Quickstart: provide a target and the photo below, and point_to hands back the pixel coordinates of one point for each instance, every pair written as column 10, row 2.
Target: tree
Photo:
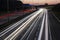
column 19, row 5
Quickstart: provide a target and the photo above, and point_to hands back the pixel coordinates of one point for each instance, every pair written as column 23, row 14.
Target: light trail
column 13, row 35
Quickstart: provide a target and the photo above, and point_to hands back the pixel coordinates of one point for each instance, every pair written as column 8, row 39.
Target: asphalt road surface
column 40, row 25
column 54, row 26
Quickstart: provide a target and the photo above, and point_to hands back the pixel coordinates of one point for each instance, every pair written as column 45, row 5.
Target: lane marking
column 46, row 25
column 41, row 30
column 56, row 17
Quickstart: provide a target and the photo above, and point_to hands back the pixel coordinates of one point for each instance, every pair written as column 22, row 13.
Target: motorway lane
column 44, row 30
column 22, row 28
column 41, row 29
column 31, row 35
column 14, row 26
column 24, row 25
column 54, row 26
column 43, row 35
column 9, row 30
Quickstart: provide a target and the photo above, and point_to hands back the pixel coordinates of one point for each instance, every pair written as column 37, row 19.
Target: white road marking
column 46, row 25
column 41, row 30
column 56, row 17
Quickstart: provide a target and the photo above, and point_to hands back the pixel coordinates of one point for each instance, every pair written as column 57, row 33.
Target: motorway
column 54, row 26
column 40, row 25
